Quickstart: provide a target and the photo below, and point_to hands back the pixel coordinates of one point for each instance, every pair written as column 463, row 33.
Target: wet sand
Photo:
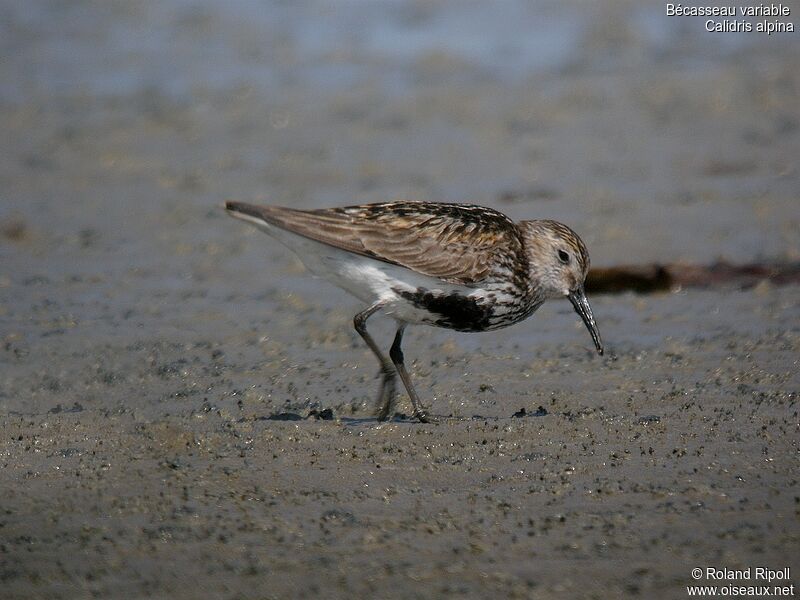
column 149, row 342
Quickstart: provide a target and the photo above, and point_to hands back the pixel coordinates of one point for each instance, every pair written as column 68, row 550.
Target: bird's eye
column 563, row 257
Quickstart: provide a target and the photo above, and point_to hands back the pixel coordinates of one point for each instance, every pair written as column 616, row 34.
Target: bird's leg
column 396, row 353
column 386, row 393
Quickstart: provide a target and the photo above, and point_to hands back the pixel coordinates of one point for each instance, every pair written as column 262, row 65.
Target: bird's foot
column 386, row 395
column 425, row 417
column 383, row 413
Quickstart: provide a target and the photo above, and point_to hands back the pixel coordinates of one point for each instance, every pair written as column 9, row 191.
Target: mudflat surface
column 147, row 339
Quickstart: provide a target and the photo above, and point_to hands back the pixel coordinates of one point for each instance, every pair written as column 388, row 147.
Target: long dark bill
column 581, row 304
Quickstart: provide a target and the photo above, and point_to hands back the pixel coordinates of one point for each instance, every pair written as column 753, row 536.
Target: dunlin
column 457, row 266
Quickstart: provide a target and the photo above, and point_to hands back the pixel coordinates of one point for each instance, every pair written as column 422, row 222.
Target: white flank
column 366, row 278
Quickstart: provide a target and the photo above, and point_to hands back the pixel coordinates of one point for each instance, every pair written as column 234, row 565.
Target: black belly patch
column 453, row 311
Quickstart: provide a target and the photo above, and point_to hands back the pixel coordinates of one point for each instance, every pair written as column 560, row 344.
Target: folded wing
column 457, row 243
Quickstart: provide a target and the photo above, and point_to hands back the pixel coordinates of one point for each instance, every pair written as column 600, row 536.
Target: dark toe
column 424, row 417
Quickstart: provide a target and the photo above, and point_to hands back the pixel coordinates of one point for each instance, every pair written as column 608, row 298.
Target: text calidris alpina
column 457, row 266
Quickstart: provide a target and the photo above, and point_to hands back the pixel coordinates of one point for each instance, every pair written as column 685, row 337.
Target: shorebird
column 457, row 266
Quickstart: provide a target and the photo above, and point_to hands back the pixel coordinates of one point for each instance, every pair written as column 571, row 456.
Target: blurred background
column 130, row 121
column 124, row 125
column 146, row 336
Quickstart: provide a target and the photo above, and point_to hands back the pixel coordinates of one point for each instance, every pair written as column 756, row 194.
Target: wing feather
column 454, row 242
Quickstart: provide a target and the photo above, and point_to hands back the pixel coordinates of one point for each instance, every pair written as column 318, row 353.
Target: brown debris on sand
column 651, row 278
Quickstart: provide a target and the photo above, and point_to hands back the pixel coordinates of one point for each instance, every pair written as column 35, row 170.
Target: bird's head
column 559, row 263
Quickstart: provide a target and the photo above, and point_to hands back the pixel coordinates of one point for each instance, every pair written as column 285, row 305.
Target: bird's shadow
column 402, row 419
column 397, row 419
